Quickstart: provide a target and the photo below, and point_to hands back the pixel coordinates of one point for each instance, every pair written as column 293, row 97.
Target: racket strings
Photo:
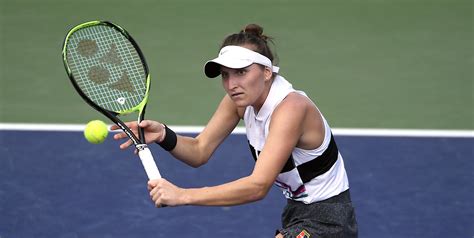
column 107, row 67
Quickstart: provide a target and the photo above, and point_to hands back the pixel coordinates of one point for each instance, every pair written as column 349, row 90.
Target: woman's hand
column 154, row 132
column 163, row 193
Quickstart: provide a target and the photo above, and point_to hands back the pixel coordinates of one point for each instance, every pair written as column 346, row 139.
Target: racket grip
column 148, row 163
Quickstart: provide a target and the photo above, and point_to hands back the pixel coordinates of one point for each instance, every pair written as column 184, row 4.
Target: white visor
column 236, row 57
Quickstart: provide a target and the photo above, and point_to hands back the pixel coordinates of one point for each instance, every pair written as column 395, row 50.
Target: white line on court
column 241, row 130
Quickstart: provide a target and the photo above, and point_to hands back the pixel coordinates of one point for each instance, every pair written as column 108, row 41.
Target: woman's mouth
column 236, row 94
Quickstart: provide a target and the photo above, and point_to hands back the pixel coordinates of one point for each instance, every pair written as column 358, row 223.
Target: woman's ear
column 267, row 73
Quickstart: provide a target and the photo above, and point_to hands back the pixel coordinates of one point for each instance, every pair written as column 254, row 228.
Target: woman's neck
column 261, row 100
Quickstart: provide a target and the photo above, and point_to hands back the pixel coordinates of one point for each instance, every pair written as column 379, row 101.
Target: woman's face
column 247, row 86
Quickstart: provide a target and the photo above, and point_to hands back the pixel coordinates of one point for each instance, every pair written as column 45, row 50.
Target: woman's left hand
column 164, row 193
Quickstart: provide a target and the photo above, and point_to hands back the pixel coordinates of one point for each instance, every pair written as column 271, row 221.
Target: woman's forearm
column 189, row 151
column 237, row 192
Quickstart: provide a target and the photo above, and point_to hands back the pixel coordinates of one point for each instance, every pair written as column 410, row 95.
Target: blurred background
column 372, row 63
column 404, row 64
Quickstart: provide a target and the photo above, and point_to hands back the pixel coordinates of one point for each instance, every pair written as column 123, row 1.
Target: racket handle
column 148, row 163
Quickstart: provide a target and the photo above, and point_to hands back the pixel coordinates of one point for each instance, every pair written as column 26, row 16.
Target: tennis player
column 288, row 136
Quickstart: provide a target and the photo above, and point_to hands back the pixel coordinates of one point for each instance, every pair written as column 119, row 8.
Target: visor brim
column 212, row 68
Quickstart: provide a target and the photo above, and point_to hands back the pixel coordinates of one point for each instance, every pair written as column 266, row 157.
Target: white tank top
column 309, row 175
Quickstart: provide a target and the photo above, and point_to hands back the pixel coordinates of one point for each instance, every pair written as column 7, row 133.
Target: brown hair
column 252, row 35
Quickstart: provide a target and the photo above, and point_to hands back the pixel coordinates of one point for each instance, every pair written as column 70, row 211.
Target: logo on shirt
column 300, row 192
column 303, row 234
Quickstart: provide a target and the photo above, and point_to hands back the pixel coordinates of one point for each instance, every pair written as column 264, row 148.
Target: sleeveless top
column 309, row 175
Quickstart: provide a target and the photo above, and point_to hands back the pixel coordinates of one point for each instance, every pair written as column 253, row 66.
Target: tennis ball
column 96, row 131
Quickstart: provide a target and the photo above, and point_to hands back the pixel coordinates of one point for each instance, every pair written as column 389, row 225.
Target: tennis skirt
column 333, row 217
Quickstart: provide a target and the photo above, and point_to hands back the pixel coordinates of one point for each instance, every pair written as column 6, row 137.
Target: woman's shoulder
column 292, row 105
column 296, row 104
column 295, row 101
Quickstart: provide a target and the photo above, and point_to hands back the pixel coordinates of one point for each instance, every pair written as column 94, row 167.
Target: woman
column 289, row 139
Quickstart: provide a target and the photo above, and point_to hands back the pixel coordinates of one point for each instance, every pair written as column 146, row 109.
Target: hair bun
column 256, row 30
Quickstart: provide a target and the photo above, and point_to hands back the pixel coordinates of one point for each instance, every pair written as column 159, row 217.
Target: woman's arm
column 285, row 131
column 197, row 151
column 192, row 151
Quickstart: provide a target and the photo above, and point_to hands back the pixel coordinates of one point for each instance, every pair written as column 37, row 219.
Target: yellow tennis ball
column 96, row 131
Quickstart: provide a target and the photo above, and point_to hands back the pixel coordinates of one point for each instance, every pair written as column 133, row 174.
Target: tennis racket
column 109, row 71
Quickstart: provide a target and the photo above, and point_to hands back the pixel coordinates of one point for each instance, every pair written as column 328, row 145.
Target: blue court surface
column 55, row 184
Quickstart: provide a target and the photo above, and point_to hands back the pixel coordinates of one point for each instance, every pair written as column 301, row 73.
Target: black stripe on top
column 290, row 164
column 321, row 164
column 312, row 168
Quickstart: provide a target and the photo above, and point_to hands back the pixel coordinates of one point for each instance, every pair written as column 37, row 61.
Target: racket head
column 108, row 70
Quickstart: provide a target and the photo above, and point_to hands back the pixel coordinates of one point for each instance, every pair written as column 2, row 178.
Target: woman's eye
column 241, row 72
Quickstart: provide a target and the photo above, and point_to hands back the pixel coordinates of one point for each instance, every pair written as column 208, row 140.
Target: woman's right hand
column 154, row 132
